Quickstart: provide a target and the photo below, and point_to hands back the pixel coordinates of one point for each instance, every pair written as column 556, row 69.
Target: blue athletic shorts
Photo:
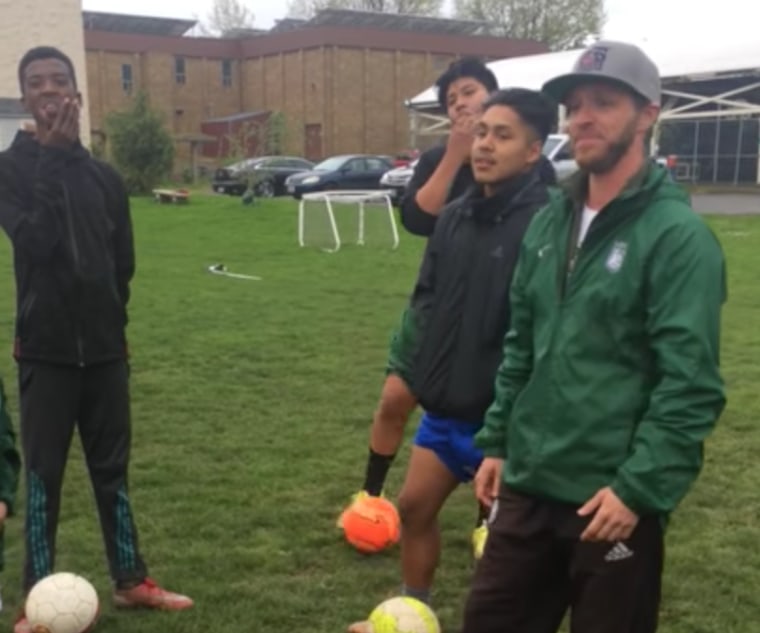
column 452, row 442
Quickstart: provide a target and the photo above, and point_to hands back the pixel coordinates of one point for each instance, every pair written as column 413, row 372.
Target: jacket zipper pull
column 573, row 259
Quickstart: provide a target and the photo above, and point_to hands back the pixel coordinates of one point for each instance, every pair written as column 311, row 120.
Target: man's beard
column 615, row 151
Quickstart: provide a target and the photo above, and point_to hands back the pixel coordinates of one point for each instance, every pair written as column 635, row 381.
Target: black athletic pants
column 535, row 568
column 54, row 400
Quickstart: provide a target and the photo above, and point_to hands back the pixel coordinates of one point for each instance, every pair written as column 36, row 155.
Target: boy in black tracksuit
column 67, row 216
column 459, row 313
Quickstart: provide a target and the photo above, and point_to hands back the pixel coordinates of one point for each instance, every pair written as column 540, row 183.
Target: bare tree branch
column 227, row 15
column 561, row 24
column 307, row 8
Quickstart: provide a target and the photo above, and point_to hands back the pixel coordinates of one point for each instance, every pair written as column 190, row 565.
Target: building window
column 227, row 73
column 126, row 78
column 179, row 70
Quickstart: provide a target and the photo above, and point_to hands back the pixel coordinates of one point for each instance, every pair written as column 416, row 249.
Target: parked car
column 267, row 175
column 351, row 171
column 558, row 150
column 397, row 179
column 405, row 157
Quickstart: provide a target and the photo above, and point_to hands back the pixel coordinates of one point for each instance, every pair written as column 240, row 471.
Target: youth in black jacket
column 67, row 216
column 442, row 174
column 460, row 304
column 414, row 218
column 458, row 317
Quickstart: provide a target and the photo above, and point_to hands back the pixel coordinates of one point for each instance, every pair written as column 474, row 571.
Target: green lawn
column 252, row 402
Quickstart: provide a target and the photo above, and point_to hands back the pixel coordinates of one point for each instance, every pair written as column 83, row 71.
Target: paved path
column 727, row 204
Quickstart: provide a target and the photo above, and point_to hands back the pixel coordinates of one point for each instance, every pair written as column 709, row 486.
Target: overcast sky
column 633, row 20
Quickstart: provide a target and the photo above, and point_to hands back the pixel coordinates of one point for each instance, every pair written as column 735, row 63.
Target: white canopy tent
column 677, row 67
column 701, row 81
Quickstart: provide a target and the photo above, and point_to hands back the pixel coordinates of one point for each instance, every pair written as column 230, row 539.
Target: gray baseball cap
column 617, row 62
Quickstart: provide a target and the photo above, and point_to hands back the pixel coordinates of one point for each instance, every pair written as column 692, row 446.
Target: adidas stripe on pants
column 54, row 401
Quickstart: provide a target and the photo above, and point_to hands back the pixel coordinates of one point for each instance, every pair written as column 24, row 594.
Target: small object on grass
column 221, row 269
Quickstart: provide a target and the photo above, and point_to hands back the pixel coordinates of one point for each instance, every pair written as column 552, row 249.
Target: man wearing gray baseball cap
column 610, row 381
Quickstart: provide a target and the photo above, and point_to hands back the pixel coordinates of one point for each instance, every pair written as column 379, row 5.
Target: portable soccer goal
column 327, row 218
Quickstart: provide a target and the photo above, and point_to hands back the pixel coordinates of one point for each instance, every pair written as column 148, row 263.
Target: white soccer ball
column 62, row 603
column 403, row 615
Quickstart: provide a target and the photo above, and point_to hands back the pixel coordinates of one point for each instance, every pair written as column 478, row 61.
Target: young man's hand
column 461, row 136
column 488, row 480
column 3, row 512
column 612, row 521
column 64, row 131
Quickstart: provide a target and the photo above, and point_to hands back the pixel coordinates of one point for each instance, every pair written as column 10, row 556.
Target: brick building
column 338, row 81
column 29, row 23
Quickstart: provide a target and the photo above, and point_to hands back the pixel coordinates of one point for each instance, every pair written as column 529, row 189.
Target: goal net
column 332, row 219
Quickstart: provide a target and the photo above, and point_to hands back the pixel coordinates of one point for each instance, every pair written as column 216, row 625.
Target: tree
column 141, row 147
column 226, row 16
column 257, row 138
column 561, row 24
column 307, row 8
column 275, row 134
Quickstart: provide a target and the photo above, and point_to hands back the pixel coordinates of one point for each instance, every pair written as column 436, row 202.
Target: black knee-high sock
column 377, row 470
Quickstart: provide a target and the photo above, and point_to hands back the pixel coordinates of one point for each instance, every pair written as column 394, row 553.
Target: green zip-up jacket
column 611, row 371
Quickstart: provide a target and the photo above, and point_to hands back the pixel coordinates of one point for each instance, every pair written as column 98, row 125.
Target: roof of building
column 330, row 27
column 709, row 61
column 145, row 25
column 398, row 22
column 241, row 33
column 240, row 116
column 195, row 137
column 287, row 24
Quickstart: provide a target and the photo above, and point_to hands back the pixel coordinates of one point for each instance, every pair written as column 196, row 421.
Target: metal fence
column 713, row 150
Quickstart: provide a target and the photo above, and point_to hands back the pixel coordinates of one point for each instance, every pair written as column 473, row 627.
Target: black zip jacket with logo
column 459, row 310
column 67, row 216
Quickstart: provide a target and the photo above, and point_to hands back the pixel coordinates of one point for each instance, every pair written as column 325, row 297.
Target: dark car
column 351, row 171
column 266, row 175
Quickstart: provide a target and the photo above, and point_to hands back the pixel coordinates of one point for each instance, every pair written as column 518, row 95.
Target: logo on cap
column 593, row 59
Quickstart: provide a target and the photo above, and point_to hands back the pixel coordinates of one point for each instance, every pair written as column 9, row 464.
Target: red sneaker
column 148, row 594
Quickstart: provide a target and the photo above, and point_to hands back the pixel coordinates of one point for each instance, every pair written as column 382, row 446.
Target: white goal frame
column 358, row 197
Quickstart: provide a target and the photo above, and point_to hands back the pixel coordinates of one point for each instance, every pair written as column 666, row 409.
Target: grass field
column 251, row 407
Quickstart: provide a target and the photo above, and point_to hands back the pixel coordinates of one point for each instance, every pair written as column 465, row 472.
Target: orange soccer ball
column 372, row 524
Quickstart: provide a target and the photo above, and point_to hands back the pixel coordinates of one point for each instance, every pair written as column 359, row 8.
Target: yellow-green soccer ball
column 403, row 615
